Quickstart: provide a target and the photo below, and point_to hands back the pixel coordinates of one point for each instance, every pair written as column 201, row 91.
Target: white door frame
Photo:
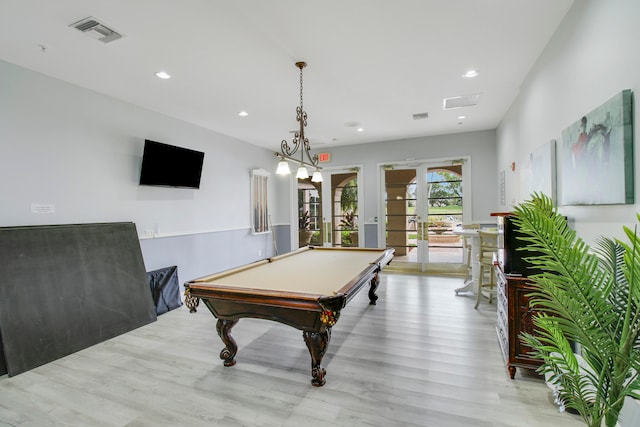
column 422, row 165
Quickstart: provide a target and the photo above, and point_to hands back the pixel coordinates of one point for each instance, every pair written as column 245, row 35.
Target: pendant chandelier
column 300, row 143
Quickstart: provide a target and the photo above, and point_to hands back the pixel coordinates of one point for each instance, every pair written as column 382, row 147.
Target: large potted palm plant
column 586, row 296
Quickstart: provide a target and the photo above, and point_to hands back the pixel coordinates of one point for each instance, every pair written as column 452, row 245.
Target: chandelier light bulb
column 283, row 168
column 302, row 173
column 317, row 177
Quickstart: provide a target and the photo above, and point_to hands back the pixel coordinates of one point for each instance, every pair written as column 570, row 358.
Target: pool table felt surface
column 316, row 271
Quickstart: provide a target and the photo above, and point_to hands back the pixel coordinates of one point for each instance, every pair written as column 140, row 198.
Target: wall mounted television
column 170, row 166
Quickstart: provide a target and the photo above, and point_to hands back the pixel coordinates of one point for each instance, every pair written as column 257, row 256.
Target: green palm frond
column 587, row 296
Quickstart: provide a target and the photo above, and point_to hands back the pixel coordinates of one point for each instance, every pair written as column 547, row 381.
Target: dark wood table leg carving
column 317, row 343
column 512, row 371
column 231, row 348
column 372, row 290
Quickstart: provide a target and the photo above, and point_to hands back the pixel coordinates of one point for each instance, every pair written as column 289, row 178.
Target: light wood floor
column 421, row 357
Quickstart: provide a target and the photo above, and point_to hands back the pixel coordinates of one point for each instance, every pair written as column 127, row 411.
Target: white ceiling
column 372, row 62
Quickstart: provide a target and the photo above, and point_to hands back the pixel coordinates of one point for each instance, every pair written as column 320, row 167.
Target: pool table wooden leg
column 373, row 286
column 317, row 343
column 231, row 348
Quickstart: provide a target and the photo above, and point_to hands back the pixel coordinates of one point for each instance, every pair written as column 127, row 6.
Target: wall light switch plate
column 43, row 208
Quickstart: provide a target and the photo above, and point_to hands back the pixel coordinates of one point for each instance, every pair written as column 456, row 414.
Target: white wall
column 592, row 57
column 81, row 152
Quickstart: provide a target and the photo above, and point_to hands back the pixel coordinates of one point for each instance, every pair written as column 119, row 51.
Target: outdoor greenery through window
column 444, row 198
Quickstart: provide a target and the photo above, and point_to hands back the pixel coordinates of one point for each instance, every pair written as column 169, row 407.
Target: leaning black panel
column 66, row 287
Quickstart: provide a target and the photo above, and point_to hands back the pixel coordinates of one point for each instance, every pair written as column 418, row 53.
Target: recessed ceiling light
column 243, row 113
column 462, row 117
column 470, row 74
column 163, row 75
column 360, row 129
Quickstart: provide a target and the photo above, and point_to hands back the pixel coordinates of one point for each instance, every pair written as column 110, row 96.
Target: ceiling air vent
column 96, row 29
column 420, row 116
column 460, row 101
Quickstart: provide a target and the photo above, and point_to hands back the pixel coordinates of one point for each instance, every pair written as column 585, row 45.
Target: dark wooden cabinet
column 514, row 316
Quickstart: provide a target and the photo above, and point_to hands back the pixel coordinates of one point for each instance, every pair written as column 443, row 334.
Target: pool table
column 306, row 289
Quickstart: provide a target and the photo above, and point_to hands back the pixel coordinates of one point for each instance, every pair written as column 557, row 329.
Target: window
column 259, row 201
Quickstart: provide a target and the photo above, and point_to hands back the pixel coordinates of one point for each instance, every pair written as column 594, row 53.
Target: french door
column 423, row 203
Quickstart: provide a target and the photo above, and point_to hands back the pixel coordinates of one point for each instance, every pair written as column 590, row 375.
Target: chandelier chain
column 301, row 108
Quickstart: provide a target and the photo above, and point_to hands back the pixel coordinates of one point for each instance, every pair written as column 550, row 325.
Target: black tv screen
column 170, row 166
column 514, row 254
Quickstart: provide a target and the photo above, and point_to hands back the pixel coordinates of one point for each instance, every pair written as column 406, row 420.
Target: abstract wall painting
column 597, row 156
column 540, row 170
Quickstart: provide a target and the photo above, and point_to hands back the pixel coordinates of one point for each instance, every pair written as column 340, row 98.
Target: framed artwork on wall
column 540, row 170
column 597, row 156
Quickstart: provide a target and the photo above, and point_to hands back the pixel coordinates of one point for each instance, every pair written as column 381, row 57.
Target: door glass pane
column 444, row 202
column 400, row 213
column 309, row 213
column 344, row 212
